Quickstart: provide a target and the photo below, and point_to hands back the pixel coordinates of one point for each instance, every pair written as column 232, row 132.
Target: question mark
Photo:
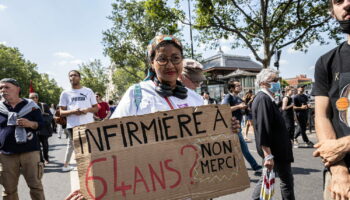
column 195, row 161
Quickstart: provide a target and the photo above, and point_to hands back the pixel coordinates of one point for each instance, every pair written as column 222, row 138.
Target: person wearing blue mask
column 271, row 135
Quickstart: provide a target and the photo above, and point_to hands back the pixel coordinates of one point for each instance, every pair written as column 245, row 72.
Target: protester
column 161, row 90
column 19, row 146
column 77, row 104
column 61, row 123
column 53, row 109
column 271, row 135
column 237, row 107
column 207, row 99
column 248, row 100
column 331, row 91
column 103, row 108
column 112, row 107
column 301, row 106
column 46, row 130
column 288, row 112
column 192, row 74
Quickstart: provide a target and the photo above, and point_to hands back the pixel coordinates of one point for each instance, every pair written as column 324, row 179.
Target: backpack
column 137, row 95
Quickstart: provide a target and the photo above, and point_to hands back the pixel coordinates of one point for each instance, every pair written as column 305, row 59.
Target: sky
column 58, row 35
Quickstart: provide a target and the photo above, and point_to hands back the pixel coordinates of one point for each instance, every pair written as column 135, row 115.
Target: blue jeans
column 244, row 147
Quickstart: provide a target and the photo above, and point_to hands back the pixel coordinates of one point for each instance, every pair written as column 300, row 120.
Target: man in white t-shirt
column 77, row 104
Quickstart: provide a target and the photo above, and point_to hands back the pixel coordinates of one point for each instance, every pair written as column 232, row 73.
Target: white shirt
column 152, row 102
column 78, row 98
column 206, row 101
column 53, row 111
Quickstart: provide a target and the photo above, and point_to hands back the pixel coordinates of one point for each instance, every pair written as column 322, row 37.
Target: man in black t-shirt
column 301, row 110
column 332, row 111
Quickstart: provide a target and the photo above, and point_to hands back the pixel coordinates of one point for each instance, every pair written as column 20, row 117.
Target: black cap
column 10, row 80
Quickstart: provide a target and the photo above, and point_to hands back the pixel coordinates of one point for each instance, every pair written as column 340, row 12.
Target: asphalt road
column 307, row 172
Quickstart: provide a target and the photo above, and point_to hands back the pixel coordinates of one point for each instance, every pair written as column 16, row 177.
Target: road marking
column 74, row 177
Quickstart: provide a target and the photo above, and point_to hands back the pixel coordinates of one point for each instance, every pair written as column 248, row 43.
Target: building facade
column 299, row 80
column 221, row 68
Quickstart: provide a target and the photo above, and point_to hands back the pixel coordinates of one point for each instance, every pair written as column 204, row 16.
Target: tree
column 284, row 83
column 94, row 76
column 13, row 65
column 134, row 25
column 266, row 24
column 122, row 79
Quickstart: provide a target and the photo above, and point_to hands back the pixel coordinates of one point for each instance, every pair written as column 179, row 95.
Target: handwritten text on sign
column 177, row 154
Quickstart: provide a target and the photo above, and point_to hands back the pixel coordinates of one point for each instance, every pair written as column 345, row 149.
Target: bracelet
column 268, row 157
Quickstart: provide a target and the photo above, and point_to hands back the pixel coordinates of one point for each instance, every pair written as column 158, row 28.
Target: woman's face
column 167, row 64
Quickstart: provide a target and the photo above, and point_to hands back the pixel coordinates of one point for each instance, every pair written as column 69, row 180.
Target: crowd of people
column 277, row 116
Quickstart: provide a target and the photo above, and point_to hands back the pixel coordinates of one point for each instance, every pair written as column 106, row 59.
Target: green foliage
column 13, row 65
column 123, row 79
column 135, row 24
column 284, row 83
column 94, row 76
column 268, row 25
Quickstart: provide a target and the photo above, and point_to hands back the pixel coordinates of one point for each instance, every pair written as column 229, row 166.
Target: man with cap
column 301, row 110
column 19, row 147
column 192, row 74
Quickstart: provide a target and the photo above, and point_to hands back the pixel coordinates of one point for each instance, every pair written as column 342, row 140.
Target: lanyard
column 169, row 103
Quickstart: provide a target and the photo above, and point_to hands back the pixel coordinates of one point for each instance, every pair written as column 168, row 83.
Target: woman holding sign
column 161, row 90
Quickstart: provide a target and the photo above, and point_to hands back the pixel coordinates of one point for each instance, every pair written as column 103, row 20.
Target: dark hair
column 248, row 95
column 163, row 44
column 76, row 71
column 231, row 84
column 110, row 102
column 205, row 92
column 98, row 94
column 330, row 5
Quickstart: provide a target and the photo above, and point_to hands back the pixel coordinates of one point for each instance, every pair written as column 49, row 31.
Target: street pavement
column 307, row 172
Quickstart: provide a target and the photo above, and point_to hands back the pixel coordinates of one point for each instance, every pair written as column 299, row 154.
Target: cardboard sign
column 177, row 154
